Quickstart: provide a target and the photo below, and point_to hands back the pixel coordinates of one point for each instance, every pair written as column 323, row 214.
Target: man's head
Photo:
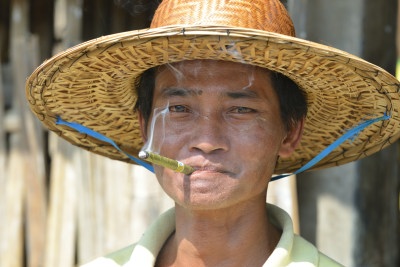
column 223, row 119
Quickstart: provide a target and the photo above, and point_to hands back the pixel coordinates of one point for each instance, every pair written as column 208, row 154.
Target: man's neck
column 237, row 236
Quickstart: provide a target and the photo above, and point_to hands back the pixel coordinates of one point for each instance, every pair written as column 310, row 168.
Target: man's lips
column 201, row 164
column 207, row 167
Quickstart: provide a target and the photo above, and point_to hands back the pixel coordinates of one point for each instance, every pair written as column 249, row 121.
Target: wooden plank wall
column 58, row 205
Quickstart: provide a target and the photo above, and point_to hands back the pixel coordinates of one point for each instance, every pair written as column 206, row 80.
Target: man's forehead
column 223, row 78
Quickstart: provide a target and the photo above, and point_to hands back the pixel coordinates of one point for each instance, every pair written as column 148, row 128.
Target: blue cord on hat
column 85, row 130
column 348, row 135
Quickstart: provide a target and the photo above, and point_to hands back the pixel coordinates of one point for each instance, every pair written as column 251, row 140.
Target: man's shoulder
column 114, row 259
column 304, row 250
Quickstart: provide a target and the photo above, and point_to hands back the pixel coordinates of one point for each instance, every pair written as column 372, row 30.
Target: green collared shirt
column 292, row 250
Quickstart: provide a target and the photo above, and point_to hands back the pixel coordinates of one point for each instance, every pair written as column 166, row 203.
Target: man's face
column 223, row 119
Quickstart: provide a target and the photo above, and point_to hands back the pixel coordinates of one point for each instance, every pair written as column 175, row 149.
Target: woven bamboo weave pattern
column 263, row 15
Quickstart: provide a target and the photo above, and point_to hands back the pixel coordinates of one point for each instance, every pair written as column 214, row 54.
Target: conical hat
column 94, row 83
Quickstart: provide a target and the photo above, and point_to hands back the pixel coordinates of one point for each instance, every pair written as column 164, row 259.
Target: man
column 230, row 131
column 223, row 87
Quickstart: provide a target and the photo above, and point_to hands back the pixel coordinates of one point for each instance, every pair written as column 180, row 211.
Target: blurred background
column 62, row 206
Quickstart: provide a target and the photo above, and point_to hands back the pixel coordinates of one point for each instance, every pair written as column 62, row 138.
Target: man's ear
column 143, row 126
column 292, row 139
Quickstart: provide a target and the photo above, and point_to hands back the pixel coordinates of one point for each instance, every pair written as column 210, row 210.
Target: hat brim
column 94, row 84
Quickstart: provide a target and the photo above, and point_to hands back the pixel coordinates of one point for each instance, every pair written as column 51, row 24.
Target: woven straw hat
column 94, row 83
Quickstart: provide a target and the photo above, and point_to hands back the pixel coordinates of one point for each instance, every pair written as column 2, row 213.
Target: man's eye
column 178, row 108
column 242, row 110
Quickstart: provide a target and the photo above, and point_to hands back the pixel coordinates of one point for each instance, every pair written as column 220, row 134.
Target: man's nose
column 209, row 134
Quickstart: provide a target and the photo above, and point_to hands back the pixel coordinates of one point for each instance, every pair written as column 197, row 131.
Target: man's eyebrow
column 182, row 92
column 243, row 94
column 179, row 91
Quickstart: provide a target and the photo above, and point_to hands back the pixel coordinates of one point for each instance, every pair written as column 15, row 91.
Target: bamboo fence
column 59, row 205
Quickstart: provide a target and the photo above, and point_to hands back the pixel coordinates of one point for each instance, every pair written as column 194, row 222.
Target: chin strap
column 347, row 136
